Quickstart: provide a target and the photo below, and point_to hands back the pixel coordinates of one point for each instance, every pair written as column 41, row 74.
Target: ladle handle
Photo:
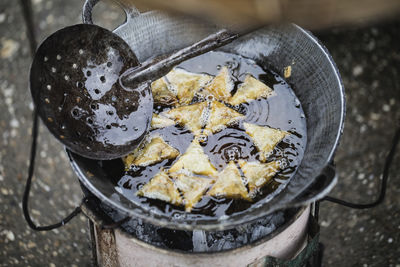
column 87, row 10
column 155, row 68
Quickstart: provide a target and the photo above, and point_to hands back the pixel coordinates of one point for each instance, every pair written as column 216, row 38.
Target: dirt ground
column 368, row 58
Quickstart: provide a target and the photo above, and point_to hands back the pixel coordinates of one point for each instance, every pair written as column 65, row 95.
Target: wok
column 314, row 78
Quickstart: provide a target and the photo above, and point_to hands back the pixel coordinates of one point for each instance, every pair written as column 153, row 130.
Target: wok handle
column 321, row 186
column 328, row 179
column 93, row 217
column 90, row 208
column 385, row 176
column 25, row 199
column 28, row 16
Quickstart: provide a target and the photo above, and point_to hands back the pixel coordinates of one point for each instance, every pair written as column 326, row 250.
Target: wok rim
column 341, row 87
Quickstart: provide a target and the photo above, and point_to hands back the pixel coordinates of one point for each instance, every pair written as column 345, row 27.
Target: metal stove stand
column 103, row 236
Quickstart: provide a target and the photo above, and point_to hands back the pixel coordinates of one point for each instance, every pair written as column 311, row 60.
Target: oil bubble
column 139, row 186
column 135, row 168
column 202, row 138
column 232, row 153
column 75, row 112
column 297, row 103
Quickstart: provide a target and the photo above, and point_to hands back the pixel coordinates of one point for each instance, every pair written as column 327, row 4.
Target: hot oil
column 282, row 111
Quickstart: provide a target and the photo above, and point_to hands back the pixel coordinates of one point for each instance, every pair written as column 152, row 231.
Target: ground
column 368, row 58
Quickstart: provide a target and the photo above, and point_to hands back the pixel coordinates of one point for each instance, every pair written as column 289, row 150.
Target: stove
column 284, row 237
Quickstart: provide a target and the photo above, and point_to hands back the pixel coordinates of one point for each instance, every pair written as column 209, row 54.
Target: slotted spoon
column 93, row 94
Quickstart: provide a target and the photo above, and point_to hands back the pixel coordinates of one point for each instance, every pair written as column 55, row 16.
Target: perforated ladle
column 93, row 94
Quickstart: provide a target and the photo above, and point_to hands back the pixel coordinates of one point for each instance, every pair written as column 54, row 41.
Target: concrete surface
column 369, row 61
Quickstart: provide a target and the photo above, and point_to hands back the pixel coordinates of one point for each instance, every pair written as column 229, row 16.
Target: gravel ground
column 368, row 59
column 369, row 62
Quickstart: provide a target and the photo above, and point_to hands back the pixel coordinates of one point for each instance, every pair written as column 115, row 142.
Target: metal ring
column 87, row 10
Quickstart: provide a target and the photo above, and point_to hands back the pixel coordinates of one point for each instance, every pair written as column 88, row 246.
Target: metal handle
column 90, row 208
column 87, row 11
column 385, row 177
column 28, row 16
column 321, row 186
column 153, row 69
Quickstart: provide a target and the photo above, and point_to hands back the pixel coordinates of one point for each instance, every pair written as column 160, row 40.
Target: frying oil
column 282, row 111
